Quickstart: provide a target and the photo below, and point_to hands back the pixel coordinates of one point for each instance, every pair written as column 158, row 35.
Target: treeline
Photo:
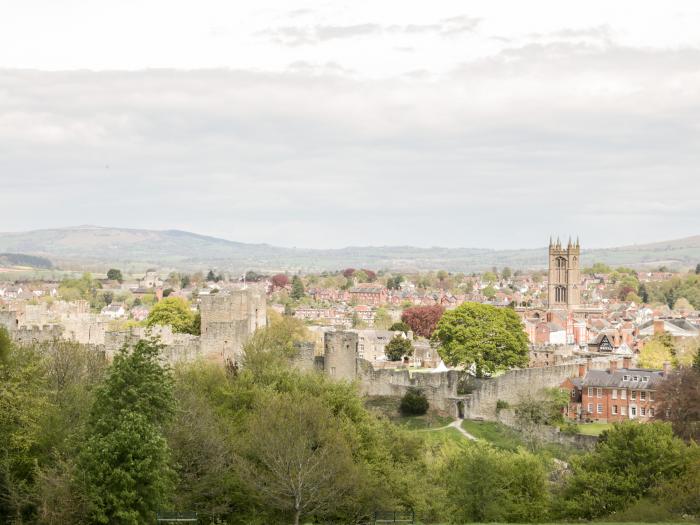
column 22, row 259
column 86, row 442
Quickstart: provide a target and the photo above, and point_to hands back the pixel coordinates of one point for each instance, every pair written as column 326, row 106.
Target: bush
column 501, row 404
column 414, row 403
column 397, row 348
column 400, row 327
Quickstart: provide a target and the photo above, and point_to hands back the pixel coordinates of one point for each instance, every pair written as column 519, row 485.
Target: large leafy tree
column 297, row 288
column 397, row 348
column 125, row 460
column 679, row 401
column 628, row 462
column 115, row 274
column 483, row 337
column 174, row 311
column 422, row 319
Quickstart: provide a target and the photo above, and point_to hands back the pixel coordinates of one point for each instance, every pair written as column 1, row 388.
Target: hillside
column 24, row 260
column 97, row 247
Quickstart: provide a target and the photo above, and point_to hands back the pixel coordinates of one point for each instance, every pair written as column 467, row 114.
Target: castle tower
column 564, row 275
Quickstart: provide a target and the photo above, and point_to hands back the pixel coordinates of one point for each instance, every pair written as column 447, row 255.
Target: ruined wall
column 26, row 335
column 228, row 320
column 84, row 328
column 306, row 359
column 177, row 347
column 8, row 320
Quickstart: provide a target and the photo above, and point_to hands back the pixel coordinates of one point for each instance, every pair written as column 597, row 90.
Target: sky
column 324, row 124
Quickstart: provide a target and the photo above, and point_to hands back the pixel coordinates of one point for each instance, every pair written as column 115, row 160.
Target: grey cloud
column 488, row 156
column 308, row 35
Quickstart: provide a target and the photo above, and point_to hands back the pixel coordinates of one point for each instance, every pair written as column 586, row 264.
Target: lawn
column 593, row 429
column 389, row 407
column 495, row 433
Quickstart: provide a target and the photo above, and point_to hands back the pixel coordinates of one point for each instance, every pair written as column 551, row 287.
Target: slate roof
column 616, row 379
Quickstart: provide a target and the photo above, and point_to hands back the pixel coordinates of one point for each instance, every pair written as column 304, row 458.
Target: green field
column 593, row 429
column 389, row 407
column 495, row 433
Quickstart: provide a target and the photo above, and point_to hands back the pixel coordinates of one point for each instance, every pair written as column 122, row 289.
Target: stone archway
column 460, row 409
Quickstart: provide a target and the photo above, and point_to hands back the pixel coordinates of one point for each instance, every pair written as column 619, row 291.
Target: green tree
column 481, row 336
column 414, row 403
column 382, row 319
column 125, row 459
column 297, row 288
column 211, row 276
column 400, row 327
column 173, row 311
column 397, row 348
column 115, row 275
column 697, row 269
column 629, row 460
column 489, row 292
column 506, row 273
column 489, row 277
column 5, row 344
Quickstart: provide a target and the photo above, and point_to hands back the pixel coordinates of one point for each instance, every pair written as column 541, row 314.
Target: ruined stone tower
column 564, row 289
column 228, row 320
column 340, row 355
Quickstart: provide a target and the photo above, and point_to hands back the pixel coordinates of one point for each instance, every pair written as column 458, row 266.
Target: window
column 614, row 393
column 651, row 412
column 644, row 411
column 600, row 408
column 623, row 410
column 626, row 378
column 614, row 409
column 332, row 370
column 635, row 378
column 645, row 378
column 643, row 396
column 590, row 408
column 599, row 392
column 634, row 395
column 623, row 393
column 590, row 392
column 633, row 411
column 651, row 396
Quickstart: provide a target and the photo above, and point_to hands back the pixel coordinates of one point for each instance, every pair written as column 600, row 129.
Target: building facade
column 564, row 288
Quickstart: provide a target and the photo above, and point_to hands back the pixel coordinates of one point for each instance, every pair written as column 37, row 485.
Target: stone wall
column 26, row 335
column 176, row 347
column 228, row 320
column 8, row 320
column 340, row 355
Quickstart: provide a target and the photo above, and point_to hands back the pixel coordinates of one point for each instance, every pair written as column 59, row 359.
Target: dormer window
column 626, row 378
column 645, row 378
column 635, row 378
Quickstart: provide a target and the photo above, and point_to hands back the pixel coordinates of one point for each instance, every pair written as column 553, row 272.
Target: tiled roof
column 616, row 379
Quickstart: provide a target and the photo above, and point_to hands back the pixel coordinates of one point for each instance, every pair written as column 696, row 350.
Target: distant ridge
column 96, row 246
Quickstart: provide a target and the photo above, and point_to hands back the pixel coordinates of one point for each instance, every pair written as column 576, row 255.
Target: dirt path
column 457, row 423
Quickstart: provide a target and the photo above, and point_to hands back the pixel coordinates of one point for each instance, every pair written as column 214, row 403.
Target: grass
column 593, row 429
column 443, row 437
column 389, row 407
column 497, row 434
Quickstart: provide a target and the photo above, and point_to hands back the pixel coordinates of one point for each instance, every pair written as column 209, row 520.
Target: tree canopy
column 176, row 312
column 422, row 319
column 481, row 337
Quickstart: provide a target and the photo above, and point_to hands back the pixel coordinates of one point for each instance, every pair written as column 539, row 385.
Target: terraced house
column 616, row 394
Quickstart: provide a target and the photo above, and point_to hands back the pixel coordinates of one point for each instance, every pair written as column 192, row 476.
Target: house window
column 643, row 396
column 635, row 378
column 644, row 411
column 332, row 370
column 590, row 392
column 600, row 408
column 651, row 396
column 634, row 395
column 626, row 378
column 645, row 378
column 590, row 408
column 651, row 412
column 633, row 411
column 599, row 392
column 614, row 393
column 623, row 394
column 614, row 409
column 623, row 410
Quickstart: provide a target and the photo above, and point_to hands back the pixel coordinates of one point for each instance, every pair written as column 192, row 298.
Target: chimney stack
column 667, row 368
column 626, row 362
column 582, row 369
column 613, row 365
column 658, row 326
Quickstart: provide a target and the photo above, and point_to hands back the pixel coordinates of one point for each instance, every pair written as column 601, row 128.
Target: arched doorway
column 460, row 409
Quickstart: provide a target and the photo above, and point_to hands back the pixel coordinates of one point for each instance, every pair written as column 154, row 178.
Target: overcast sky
column 327, row 124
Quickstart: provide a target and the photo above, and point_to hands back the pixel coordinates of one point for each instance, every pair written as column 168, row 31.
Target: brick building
column 616, row 394
column 369, row 294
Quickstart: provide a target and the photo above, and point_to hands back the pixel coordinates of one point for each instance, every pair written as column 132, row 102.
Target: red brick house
column 369, row 294
column 616, row 394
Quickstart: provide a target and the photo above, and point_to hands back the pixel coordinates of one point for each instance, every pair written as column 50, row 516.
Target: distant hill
column 100, row 247
column 22, row 259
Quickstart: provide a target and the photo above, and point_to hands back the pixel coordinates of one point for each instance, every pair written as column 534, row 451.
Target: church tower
column 564, row 277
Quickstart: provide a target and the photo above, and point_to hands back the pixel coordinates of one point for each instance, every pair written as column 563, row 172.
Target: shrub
column 501, row 404
column 414, row 403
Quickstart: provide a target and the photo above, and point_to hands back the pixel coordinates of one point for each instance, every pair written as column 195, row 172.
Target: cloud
column 599, row 139
column 310, row 35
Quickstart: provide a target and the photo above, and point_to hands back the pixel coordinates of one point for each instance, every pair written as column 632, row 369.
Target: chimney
column 658, row 326
column 626, row 362
column 667, row 368
column 582, row 369
column 613, row 365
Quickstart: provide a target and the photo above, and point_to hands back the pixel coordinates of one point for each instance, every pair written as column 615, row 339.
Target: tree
column 173, row 311
column 295, row 457
column 482, row 337
column 506, row 273
column 489, row 292
column 682, row 304
column 655, row 353
column 414, row 403
column 697, row 269
column 211, row 277
column 115, row 275
column 382, row 319
column 400, row 327
column 397, row 348
column 297, row 288
column 490, row 277
column 678, row 399
column 348, row 272
column 394, row 283
column 125, row 460
column 279, row 281
column 629, row 460
column 422, row 319
column 5, row 344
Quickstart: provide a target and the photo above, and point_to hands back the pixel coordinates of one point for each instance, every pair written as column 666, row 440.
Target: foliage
column 670, row 291
column 400, row 327
column 125, row 459
column 678, row 400
column 656, row 351
column 483, row 337
column 536, row 411
column 176, row 312
column 489, row 292
column 398, row 347
column 628, row 462
column 5, row 344
column 414, row 403
column 279, row 280
column 115, row 275
column 382, row 319
column 485, row 484
column 422, row 319
column 297, row 288
column 394, row 283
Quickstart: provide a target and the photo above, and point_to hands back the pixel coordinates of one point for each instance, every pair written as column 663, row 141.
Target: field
column 593, row 429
